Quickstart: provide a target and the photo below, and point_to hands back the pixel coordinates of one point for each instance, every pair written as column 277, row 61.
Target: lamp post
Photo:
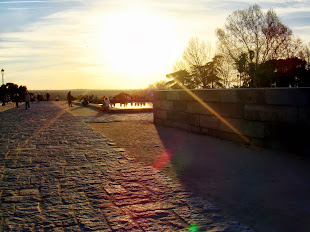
column 2, row 72
column 3, row 87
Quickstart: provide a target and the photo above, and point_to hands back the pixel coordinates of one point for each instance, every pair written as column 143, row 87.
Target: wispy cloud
column 47, row 42
column 26, row 8
column 18, row 2
column 38, row 1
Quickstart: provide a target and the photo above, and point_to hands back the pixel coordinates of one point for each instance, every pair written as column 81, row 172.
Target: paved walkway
column 57, row 174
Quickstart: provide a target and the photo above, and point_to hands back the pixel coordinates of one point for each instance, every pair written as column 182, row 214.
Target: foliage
column 181, row 76
column 196, row 70
column 12, row 89
column 284, row 73
column 159, row 85
column 122, row 96
column 8, row 91
column 22, row 91
column 207, row 76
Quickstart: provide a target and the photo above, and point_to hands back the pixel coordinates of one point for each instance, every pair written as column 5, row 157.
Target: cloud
column 37, row 1
column 26, row 8
column 19, row 2
column 59, row 38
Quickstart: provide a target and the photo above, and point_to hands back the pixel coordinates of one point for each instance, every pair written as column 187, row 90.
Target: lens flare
column 205, row 105
column 162, row 160
column 193, row 228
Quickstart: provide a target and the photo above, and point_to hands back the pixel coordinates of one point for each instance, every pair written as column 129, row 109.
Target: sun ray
column 206, row 106
column 41, row 129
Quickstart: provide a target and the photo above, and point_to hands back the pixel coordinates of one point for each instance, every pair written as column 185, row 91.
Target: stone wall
column 275, row 117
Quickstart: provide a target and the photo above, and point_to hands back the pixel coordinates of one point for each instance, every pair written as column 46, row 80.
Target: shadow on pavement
column 267, row 190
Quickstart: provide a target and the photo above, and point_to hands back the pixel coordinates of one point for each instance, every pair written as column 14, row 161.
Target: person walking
column 27, row 100
column 69, row 98
column 17, row 100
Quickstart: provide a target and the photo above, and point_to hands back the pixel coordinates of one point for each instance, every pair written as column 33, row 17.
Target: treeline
column 133, row 95
column 254, row 49
column 9, row 90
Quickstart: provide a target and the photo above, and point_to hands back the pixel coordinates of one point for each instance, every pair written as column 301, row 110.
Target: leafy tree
column 3, row 94
column 13, row 89
column 22, row 91
column 196, row 69
column 242, row 67
column 208, row 74
column 181, row 76
column 9, row 90
column 122, row 96
column 284, row 73
column 213, row 68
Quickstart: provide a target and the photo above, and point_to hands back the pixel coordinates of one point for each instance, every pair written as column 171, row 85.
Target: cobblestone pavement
column 121, row 117
column 57, row 174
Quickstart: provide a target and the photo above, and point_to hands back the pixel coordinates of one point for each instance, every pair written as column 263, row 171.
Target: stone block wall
column 269, row 117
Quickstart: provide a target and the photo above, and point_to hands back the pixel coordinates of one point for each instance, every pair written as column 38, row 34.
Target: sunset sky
column 114, row 44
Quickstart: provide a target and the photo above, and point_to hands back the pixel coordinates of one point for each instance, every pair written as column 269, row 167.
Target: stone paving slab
column 57, row 174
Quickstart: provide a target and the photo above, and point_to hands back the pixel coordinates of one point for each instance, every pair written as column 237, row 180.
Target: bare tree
column 276, row 38
column 191, row 69
column 197, row 52
column 227, row 72
column 307, row 53
column 296, row 48
column 260, row 36
column 180, row 65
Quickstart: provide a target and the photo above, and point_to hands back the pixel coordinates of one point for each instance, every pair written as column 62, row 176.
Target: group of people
column 29, row 97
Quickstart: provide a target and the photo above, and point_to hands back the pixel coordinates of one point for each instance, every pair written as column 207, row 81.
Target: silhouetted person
column 85, row 101
column 27, row 100
column 106, row 104
column 17, row 100
column 31, row 97
column 47, row 96
column 38, row 97
column 69, row 98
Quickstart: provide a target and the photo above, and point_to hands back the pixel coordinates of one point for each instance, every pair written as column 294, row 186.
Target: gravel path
column 58, row 174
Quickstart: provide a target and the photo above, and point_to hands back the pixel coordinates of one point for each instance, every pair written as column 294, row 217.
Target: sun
column 137, row 44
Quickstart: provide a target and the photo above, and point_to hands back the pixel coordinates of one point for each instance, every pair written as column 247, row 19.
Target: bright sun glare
column 135, row 44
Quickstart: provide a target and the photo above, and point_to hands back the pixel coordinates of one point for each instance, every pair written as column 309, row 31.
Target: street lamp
column 3, row 87
column 2, row 72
